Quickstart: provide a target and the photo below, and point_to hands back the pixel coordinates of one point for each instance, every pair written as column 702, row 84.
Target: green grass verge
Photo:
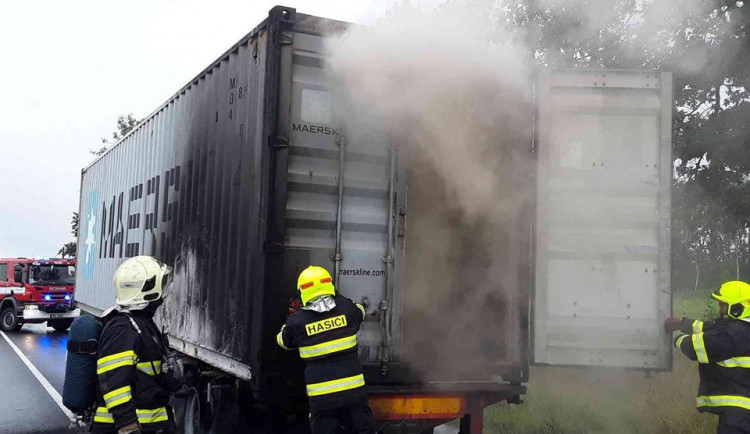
column 584, row 400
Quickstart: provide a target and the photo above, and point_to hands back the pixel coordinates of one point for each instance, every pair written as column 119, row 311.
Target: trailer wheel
column 192, row 413
column 60, row 325
column 9, row 321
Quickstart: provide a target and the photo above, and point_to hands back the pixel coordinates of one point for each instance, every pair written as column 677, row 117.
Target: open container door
column 604, row 177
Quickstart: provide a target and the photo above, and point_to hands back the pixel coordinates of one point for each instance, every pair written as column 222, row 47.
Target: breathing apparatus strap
column 145, row 348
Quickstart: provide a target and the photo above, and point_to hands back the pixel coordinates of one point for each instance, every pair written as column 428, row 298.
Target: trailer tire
column 9, row 321
column 191, row 418
column 60, row 325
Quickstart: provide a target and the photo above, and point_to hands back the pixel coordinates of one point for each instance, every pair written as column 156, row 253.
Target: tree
column 74, row 224
column 69, row 249
column 125, row 124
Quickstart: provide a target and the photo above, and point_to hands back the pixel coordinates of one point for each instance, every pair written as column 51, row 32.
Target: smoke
column 458, row 107
column 454, row 88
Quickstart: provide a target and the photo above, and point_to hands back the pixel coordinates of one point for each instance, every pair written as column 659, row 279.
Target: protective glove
column 672, row 324
column 295, row 304
column 131, row 428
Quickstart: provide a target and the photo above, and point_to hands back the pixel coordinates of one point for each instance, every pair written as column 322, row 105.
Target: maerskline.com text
column 362, row 272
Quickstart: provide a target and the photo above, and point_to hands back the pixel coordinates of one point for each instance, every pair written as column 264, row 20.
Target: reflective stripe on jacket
column 145, row 417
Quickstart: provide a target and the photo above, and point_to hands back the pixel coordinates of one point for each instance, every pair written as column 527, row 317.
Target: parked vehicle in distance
column 35, row 291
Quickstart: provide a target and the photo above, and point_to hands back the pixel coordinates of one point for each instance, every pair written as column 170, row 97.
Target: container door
column 604, row 177
column 346, row 227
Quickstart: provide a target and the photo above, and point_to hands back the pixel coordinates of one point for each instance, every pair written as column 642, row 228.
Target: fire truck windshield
column 52, row 275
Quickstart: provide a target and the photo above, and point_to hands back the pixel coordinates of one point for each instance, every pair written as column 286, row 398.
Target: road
column 26, row 406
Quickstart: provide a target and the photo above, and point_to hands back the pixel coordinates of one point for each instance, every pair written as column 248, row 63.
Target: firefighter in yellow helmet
column 133, row 391
column 722, row 349
column 324, row 332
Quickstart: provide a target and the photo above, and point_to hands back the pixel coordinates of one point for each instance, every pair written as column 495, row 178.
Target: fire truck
column 36, row 291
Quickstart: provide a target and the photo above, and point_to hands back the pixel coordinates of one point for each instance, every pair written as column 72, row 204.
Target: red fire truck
column 37, row 291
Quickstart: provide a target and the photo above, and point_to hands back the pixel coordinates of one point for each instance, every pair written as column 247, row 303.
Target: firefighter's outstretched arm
column 284, row 339
column 687, row 325
column 692, row 326
column 115, row 368
column 714, row 345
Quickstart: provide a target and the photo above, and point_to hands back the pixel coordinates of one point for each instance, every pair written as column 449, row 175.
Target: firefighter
column 133, row 398
column 324, row 331
column 722, row 349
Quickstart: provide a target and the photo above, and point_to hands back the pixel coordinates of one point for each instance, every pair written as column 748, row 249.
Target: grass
column 577, row 400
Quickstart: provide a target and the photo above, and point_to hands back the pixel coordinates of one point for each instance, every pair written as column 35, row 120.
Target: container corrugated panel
column 185, row 186
column 603, row 226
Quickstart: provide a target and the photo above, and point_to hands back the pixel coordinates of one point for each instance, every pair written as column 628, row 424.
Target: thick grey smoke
column 459, row 109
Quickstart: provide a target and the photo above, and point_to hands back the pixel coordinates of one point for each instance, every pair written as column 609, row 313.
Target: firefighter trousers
column 734, row 421
column 355, row 419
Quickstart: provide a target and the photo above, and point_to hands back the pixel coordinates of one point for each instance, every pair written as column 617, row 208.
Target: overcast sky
column 68, row 69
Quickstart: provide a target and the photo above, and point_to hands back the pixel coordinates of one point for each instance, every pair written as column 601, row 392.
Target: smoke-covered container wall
column 468, row 273
column 184, row 186
column 459, row 110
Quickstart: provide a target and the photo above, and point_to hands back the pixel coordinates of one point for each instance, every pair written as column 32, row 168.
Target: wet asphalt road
column 25, row 406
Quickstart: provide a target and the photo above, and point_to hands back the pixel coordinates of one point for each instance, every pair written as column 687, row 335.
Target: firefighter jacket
column 722, row 349
column 129, row 370
column 327, row 342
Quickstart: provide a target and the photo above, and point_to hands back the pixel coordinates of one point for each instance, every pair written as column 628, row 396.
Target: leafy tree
column 69, row 249
column 74, row 224
column 125, row 124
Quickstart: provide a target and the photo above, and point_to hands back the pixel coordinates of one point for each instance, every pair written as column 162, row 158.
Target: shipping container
column 260, row 166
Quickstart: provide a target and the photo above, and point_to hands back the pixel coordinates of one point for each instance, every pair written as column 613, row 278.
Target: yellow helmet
column 314, row 282
column 737, row 295
column 140, row 280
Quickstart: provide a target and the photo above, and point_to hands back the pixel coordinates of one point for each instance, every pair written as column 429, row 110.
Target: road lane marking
column 47, row 386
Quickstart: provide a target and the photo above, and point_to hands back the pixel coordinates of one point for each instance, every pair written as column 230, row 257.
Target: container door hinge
column 278, row 142
column 401, row 227
column 273, row 247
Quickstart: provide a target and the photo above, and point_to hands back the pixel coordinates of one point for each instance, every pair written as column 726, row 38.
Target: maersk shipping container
column 257, row 168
